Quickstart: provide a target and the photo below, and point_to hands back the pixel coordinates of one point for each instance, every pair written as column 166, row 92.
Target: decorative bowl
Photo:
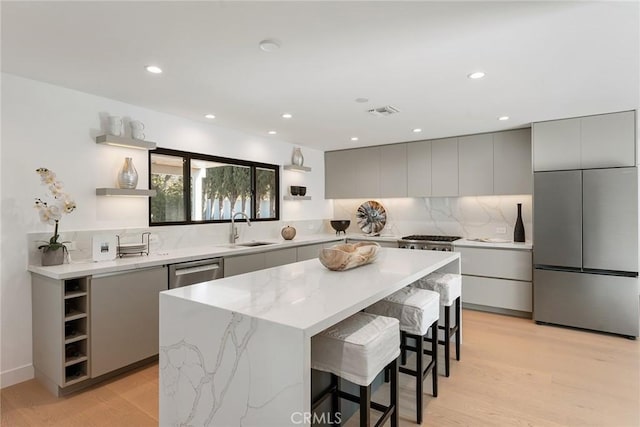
column 340, row 225
column 347, row 256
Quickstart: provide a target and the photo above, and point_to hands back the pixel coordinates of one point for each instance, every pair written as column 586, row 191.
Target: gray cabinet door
column 352, row 173
column 336, row 173
column 124, row 317
column 243, row 264
column 309, row 252
column 512, row 172
column 557, row 216
column 419, row 169
column 556, row 145
column 280, row 257
column 610, row 219
column 393, row 170
column 608, row 140
column 475, row 165
column 444, row 167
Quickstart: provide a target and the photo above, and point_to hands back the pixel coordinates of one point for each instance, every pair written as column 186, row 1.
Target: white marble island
column 236, row 351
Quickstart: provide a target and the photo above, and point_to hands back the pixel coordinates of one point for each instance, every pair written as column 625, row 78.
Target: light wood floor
column 512, row 372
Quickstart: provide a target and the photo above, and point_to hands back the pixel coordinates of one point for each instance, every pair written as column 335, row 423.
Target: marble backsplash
column 164, row 239
column 471, row 217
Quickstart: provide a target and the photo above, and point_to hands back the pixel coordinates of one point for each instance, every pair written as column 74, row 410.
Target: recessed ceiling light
column 154, row 69
column 272, row 132
column 354, row 138
column 362, row 100
column 286, row 116
column 210, row 116
column 503, row 118
column 417, row 130
column 476, row 75
column 269, row 45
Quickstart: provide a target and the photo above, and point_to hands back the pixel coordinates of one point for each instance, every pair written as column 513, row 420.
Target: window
column 217, row 187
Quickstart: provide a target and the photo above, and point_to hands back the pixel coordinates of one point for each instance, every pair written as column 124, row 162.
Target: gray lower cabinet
column 497, row 280
column 241, row 264
column 313, row 251
column 124, row 317
column 61, row 336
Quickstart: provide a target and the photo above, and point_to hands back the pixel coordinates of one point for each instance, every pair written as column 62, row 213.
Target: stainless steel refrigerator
column 585, row 226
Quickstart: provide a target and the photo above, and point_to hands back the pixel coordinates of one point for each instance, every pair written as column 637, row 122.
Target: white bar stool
column 358, row 349
column 417, row 310
column 449, row 286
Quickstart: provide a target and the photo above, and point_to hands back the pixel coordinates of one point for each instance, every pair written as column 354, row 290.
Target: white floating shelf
column 125, row 192
column 120, row 141
column 296, row 168
column 297, row 197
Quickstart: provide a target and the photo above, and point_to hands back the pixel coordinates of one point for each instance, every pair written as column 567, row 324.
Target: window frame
column 187, row 156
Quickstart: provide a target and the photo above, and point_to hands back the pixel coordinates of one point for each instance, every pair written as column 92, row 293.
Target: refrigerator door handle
column 611, row 272
column 556, row 268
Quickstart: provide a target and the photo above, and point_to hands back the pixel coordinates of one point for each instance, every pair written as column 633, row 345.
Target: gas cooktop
column 431, row 238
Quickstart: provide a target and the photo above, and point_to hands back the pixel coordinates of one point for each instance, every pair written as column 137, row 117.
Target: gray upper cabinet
column 605, row 140
column 608, row 140
column 419, row 169
column 393, row 170
column 352, row 173
column 512, row 162
column 556, row 145
column 444, row 167
column 475, row 164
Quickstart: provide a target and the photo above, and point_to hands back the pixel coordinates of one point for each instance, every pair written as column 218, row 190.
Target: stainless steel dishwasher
column 188, row 273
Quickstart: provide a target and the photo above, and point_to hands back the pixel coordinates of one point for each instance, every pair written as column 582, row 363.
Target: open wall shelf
column 120, row 141
column 125, row 192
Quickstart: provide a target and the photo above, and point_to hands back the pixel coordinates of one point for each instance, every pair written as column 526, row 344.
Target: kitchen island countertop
column 237, row 351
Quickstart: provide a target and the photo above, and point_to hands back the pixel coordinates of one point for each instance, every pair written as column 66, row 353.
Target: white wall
column 53, row 127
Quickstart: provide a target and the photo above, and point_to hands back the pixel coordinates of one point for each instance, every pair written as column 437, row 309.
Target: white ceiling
column 542, row 60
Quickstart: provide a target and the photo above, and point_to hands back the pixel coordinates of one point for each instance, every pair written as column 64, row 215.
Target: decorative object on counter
column 53, row 251
column 518, row 231
column 297, row 158
column 134, row 248
column 115, row 125
column 288, row 233
column 128, row 176
column 347, row 256
column 371, row 217
column 104, row 247
column 137, row 129
column 340, row 225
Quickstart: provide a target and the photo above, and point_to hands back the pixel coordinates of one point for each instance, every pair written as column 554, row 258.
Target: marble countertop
column 492, row 244
column 88, row 267
column 309, row 297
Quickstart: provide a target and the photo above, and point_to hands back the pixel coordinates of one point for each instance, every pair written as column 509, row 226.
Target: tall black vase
column 518, row 231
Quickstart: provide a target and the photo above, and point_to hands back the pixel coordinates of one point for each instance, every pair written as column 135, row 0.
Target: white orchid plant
column 50, row 213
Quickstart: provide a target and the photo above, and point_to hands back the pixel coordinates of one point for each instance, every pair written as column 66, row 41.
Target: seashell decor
column 346, row 256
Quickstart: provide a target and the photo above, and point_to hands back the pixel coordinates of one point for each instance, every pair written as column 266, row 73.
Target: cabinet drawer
column 500, row 293
column 500, row 263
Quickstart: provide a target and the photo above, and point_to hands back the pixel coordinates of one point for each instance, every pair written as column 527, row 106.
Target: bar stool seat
column 417, row 310
column 358, row 349
column 449, row 286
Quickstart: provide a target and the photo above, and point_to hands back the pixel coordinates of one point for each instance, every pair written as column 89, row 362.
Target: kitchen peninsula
column 237, row 351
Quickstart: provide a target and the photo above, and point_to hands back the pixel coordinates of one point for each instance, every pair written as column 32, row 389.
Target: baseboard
column 16, row 375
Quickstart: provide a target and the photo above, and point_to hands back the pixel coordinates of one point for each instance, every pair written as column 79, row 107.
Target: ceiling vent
column 387, row 110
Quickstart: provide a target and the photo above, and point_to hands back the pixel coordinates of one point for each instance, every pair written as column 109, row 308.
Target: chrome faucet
column 234, row 230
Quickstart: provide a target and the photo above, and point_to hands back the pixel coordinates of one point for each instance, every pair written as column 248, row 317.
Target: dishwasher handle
column 191, row 270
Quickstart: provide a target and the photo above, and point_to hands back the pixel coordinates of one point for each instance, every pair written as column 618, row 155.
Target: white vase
column 128, row 176
column 297, row 158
